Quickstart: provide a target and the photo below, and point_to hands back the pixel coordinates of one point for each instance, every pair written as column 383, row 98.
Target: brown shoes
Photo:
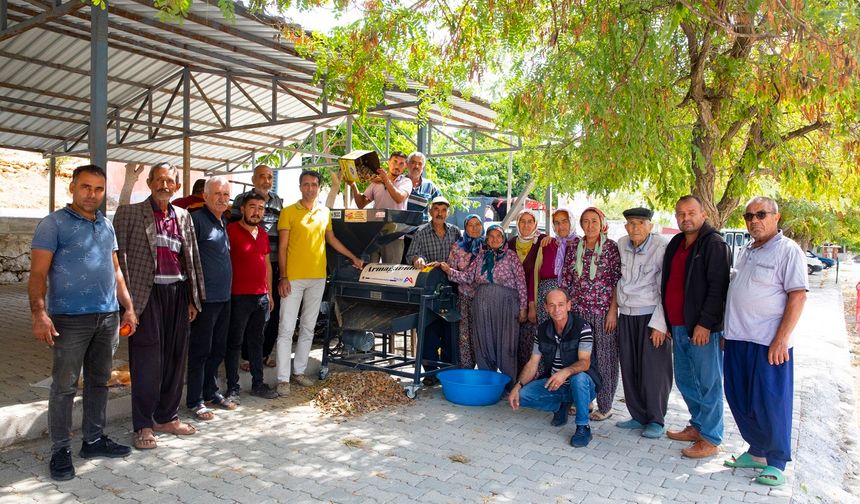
column 688, row 434
column 700, row 449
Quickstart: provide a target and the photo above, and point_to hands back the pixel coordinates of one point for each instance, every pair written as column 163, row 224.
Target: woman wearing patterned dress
column 549, row 265
column 526, row 245
column 461, row 257
column 499, row 304
column 593, row 269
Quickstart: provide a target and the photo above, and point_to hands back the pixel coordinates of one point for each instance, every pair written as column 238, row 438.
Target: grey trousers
column 89, row 341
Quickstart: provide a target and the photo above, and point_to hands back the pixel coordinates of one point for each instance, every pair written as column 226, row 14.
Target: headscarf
column 491, row 255
column 598, row 248
column 524, row 243
column 467, row 243
column 562, row 246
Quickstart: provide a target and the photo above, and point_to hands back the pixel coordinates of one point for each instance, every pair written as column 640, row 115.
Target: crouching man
column 563, row 352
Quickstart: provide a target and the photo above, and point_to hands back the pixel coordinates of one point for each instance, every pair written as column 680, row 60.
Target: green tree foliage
column 700, row 96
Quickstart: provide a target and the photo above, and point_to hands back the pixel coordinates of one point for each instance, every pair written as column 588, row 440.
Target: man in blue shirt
column 423, row 190
column 74, row 265
column 208, row 341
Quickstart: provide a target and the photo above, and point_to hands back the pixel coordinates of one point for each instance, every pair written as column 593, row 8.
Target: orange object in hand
column 125, row 330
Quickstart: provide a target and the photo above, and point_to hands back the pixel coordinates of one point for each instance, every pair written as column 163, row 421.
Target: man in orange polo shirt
column 304, row 228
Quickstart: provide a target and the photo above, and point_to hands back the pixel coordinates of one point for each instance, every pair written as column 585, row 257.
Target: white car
column 813, row 264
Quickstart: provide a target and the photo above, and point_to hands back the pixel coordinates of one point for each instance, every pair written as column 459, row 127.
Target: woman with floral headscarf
column 526, row 244
column 463, row 253
column 593, row 268
column 499, row 303
column 549, row 265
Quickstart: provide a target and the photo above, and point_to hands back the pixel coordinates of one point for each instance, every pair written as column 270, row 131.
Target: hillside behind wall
column 23, row 202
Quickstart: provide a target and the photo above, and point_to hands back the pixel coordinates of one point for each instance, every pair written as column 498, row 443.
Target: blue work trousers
column 760, row 396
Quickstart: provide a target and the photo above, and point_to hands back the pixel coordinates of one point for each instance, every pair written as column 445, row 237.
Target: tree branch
column 737, row 125
column 799, row 132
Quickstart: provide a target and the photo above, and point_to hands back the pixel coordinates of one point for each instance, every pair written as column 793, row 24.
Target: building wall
column 16, row 235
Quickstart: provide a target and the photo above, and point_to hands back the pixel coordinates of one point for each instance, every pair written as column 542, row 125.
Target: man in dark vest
column 564, row 347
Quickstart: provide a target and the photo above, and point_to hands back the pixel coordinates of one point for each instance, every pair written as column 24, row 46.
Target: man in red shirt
column 193, row 201
column 694, row 286
column 251, row 291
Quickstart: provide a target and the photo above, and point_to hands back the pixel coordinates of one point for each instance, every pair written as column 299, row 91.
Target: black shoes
column 61, row 465
column 559, row 418
column 581, row 437
column 264, row 391
column 103, row 447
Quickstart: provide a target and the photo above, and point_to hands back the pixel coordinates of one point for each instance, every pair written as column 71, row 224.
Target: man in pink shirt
column 388, row 190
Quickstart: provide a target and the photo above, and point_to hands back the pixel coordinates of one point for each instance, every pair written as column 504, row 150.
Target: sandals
column 270, row 362
column 770, row 476
column 597, row 416
column 175, row 427
column 744, row 461
column 222, row 402
column 201, row 412
column 143, row 441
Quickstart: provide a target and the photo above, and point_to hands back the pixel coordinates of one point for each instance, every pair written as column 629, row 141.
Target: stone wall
column 16, row 234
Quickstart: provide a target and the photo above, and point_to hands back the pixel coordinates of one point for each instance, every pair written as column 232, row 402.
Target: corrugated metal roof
column 45, row 87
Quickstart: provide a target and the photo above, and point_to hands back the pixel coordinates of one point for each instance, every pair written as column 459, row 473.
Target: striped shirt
column 586, row 343
column 168, row 246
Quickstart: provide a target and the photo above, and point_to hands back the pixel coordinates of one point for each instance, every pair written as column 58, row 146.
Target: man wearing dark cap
column 644, row 349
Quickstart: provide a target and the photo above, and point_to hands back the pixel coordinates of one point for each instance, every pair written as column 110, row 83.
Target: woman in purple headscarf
column 463, row 253
column 549, row 265
column 499, row 304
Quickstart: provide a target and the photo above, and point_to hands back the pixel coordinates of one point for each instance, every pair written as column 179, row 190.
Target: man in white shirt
column 644, row 349
column 765, row 300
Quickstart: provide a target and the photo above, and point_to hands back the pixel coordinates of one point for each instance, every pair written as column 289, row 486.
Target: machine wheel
column 323, row 372
column 411, row 391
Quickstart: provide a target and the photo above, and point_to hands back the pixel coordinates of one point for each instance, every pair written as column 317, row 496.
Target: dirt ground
column 849, row 295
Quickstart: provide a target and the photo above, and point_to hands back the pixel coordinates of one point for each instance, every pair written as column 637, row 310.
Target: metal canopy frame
column 120, row 84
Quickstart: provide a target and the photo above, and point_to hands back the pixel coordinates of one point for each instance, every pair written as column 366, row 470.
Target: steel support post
column 98, row 89
column 186, row 128
column 347, row 191
column 52, row 184
column 548, row 208
column 3, row 19
column 387, row 137
column 422, row 137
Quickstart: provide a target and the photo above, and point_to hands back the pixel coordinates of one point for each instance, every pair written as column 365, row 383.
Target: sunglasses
column 760, row 215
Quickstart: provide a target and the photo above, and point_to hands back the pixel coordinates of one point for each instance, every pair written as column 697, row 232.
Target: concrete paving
column 434, row 451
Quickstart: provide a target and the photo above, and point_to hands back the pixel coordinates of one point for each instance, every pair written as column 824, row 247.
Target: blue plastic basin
column 473, row 387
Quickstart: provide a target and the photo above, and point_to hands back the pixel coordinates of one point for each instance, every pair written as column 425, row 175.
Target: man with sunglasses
column 765, row 300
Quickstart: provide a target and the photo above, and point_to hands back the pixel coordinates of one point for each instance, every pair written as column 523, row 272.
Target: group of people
column 559, row 314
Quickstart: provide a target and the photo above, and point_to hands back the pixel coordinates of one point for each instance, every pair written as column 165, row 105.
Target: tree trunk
column 702, row 166
column 132, row 173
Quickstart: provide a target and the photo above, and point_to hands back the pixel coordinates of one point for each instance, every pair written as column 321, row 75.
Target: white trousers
column 311, row 292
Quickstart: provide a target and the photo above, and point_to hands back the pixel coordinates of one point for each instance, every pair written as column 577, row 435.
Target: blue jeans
column 89, row 340
column 579, row 390
column 699, row 377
